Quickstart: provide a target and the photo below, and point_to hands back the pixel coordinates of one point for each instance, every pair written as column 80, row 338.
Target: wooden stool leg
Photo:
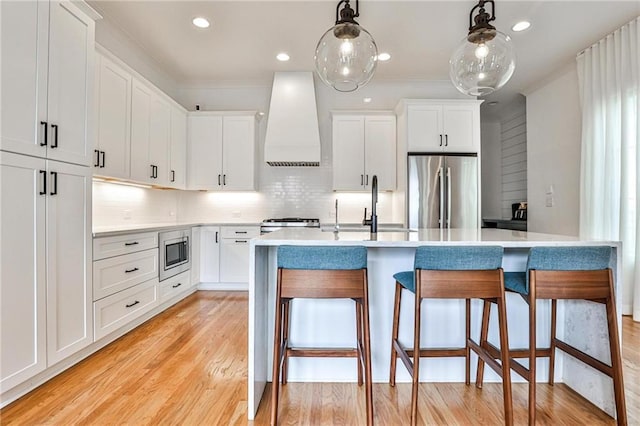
column 285, row 339
column 467, row 348
column 552, row 345
column 616, row 359
column 484, row 332
column 367, row 356
column 394, row 334
column 505, row 361
column 277, row 344
column 360, row 345
column 532, row 355
column 415, row 376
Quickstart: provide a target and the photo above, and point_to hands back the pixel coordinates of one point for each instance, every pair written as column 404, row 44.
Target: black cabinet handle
column 224, row 179
column 173, row 175
column 241, row 241
column 216, row 236
column 135, row 243
column 155, row 172
column 102, row 163
column 132, row 304
column 177, row 285
column 361, row 179
column 45, row 134
column 97, row 163
column 366, row 180
column 54, row 177
column 446, row 140
column 219, row 180
column 128, row 271
column 241, row 232
column 440, row 140
column 43, row 173
column 152, row 169
column 55, row 136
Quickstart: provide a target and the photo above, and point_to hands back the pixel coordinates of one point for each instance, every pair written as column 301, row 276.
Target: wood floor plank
column 188, row 366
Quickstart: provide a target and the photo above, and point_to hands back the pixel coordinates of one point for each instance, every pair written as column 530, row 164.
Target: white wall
column 513, row 135
column 491, row 170
column 553, row 154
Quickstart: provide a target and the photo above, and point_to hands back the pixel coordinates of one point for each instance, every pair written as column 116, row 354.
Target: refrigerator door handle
column 448, row 197
column 441, row 182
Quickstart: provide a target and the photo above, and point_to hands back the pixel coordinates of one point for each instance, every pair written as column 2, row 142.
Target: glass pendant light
column 485, row 60
column 346, row 55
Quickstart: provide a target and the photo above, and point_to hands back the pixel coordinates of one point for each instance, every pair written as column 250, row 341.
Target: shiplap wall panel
column 514, row 161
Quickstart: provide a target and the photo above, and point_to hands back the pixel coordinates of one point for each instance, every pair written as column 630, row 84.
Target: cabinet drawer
column 240, row 231
column 123, row 244
column 114, row 311
column 121, row 272
column 175, row 285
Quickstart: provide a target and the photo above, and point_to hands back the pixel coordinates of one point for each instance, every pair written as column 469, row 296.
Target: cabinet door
column 141, row 98
column 178, row 155
column 114, row 114
column 24, row 29
column 348, row 153
column 210, row 254
column 380, row 151
column 22, row 268
column 159, row 137
column 234, row 260
column 459, row 128
column 70, row 89
column 196, row 255
column 69, row 288
column 238, row 153
column 204, row 145
column 424, row 128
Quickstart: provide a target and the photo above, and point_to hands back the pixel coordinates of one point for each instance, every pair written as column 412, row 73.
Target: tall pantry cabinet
column 45, row 185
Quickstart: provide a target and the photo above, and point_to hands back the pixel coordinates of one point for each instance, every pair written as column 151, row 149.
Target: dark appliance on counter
column 518, row 221
column 271, row 225
column 175, row 256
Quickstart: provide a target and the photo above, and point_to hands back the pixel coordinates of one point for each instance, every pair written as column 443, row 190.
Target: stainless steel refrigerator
column 443, row 191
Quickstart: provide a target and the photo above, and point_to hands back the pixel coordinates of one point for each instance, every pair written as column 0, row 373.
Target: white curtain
column 609, row 78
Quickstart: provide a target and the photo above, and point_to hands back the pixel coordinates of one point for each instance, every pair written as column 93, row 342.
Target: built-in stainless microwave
column 175, row 256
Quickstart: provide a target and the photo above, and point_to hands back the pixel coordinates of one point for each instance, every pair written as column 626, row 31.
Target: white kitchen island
column 332, row 323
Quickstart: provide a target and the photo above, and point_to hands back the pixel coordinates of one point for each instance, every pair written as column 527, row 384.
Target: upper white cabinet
column 364, row 145
column 45, row 283
column 111, row 156
column 178, row 149
column 47, row 77
column 221, row 147
column 441, row 125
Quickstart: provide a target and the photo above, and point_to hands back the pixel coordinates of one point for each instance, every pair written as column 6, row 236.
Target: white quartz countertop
column 108, row 231
column 414, row 238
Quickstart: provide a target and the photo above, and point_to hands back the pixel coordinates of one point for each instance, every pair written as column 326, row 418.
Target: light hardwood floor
column 188, row 366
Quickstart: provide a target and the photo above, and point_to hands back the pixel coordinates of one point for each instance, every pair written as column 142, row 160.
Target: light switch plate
column 549, row 201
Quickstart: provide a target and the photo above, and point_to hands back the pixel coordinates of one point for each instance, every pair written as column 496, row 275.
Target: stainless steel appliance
column 271, row 225
column 175, row 252
column 443, row 191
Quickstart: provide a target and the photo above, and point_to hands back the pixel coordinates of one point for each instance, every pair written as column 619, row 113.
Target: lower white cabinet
column 45, row 283
column 224, row 257
column 120, row 272
column 175, row 285
column 112, row 312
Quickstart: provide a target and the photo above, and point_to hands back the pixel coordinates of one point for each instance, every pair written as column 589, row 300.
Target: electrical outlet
column 126, row 214
column 172, row 213
column 549, row 201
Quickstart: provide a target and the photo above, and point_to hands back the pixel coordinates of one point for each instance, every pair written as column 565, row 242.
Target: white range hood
column 293, row 137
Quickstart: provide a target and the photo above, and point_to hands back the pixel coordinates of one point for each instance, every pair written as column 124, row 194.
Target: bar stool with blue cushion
column 565, row 273
column 321, row 272
column 452, row 272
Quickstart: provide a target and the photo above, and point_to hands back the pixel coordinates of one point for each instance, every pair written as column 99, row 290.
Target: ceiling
column 240, row 46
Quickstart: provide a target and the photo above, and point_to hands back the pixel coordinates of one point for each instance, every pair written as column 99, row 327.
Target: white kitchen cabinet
column 209, row 254
column 117, row 273
column 46, row 282
column 221, row 148
column 442, row 125
column 196, row 254
column 364, row 145
column 47, row 80
column 111, row 156
column 173, row 286
column 150, row 134
column 234, row 260
column 178, row 149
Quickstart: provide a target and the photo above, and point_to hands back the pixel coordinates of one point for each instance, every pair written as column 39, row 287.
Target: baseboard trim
column 224, row 286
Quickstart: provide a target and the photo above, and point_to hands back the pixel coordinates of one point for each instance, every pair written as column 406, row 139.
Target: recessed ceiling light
column 282, row 57
column 200, row 22
column 366, row 100
column 521, row 26
column 384, row 56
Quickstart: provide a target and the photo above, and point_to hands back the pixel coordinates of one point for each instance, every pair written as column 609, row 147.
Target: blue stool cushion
column 406, row 279
column 559, row 259
column 322, row 257
column 451, row 258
